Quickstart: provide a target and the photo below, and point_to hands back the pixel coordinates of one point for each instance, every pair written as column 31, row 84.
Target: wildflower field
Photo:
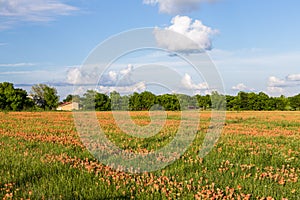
column 256, row 157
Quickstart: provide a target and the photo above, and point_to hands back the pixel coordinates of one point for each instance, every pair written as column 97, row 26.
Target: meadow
column 256, row 157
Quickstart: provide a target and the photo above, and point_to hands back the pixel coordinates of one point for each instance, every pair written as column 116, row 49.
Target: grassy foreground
column 257, row 157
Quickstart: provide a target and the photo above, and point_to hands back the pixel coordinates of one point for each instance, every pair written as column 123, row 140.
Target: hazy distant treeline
column 44, row 97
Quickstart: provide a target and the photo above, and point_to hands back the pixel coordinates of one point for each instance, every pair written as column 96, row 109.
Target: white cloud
column 74, row 76
column 176, row 6
column 138, row 87
column 112, row 75
column 127, row 70
column 245, row 64
column 77, row 76
column 275, row 90
column 15, row 73
column 276, row 82
column 279, row 86
column 12, row 11
column 17, row 64
column 185, row 35
column 188, row 83
column 240, row 87
column 293, row 77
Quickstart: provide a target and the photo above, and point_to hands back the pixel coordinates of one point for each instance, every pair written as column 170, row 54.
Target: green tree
column 262, row 102
column 70, row 98
column 295, row 102
column 45, row 96
column 116, row 101
column 125, row 102
column 243, row 100
column 88, row 100
column 102, row 102
column 187, row 102
column 230, row 102
column 147, row 100
column 169, row 102
column 13, row 99
column 281, row 103
column 204, row 102
column 135, row 102
column 218, row 101
column 93, row 100
column 143, row 101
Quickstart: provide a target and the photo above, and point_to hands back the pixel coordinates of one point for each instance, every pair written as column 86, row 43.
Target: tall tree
column 13, row 99
column 148, row 100
column 45, row 96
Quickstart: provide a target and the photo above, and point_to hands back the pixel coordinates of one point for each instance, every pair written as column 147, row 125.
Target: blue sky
column 254, row 44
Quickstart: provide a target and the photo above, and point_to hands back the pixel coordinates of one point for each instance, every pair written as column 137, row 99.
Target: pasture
column 256, row 157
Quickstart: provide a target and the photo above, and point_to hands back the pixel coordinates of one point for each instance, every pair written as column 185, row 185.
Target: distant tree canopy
column 174, row 102
column 260, row 101
column 45, row 97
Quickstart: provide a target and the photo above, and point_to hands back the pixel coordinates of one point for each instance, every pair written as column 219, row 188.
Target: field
column 256, row 157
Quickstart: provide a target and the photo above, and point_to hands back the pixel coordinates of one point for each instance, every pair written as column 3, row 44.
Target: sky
column 254, row 45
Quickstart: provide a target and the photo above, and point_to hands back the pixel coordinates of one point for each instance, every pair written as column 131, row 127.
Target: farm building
column 68, row 106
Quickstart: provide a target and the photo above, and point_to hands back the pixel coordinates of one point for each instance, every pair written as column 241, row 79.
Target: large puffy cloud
column 77, row 76
column 12, row 11
column 176, row 6
column 185, row 35
column 74, row 76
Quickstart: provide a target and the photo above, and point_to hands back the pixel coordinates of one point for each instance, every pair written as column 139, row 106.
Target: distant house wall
column 69, row 106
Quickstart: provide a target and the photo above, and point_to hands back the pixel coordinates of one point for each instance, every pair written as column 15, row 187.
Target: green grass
column 263, row 166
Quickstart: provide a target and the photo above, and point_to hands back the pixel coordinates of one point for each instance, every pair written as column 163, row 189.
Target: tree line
column 41, row 97
column 44, row 97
